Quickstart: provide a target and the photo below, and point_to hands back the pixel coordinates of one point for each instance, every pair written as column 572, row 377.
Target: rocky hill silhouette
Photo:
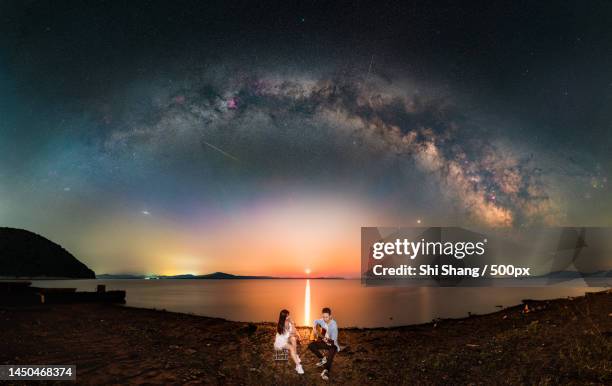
column 26, row 254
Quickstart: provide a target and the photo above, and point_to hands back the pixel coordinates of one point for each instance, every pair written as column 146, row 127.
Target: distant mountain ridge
column 210, row 276
column 26, row 254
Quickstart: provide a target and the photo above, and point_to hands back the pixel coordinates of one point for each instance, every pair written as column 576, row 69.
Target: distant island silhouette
column 210, row 276
column 26, row 254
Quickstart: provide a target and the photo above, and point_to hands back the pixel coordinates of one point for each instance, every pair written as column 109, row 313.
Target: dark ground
column 563, row 341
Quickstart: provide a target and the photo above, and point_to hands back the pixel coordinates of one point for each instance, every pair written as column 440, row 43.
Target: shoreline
column 477, row 301
column 556, row 341
column 403, row 326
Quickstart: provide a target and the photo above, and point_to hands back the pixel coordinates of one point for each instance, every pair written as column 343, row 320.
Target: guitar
column 318, row 332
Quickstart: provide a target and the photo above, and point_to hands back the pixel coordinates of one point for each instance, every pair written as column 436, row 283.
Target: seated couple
column 324, row 338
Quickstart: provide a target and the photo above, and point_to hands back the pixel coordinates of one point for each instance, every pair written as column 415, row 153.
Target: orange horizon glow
column 294, row 237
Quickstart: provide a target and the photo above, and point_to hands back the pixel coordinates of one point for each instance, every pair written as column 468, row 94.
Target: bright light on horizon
column 307, row 270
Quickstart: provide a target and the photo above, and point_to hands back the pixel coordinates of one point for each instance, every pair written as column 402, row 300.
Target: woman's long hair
column 280, row 328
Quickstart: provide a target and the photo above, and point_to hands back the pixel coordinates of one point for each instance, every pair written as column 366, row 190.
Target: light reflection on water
column 351, row 303
column 307, row 320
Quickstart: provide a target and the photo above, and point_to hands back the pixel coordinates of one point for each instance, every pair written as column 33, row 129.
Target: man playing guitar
column 325, row 335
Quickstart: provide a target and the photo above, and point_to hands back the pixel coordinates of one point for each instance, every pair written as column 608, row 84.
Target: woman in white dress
column 286, row 338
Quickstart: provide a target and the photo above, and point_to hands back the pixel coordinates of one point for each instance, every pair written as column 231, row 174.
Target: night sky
column 256, row 138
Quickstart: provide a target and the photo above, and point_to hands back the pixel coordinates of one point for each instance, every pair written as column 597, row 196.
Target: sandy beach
column 557, row 341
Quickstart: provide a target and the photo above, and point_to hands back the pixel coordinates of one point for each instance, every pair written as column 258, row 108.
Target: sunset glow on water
column 352, row 304
column 307, row 304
